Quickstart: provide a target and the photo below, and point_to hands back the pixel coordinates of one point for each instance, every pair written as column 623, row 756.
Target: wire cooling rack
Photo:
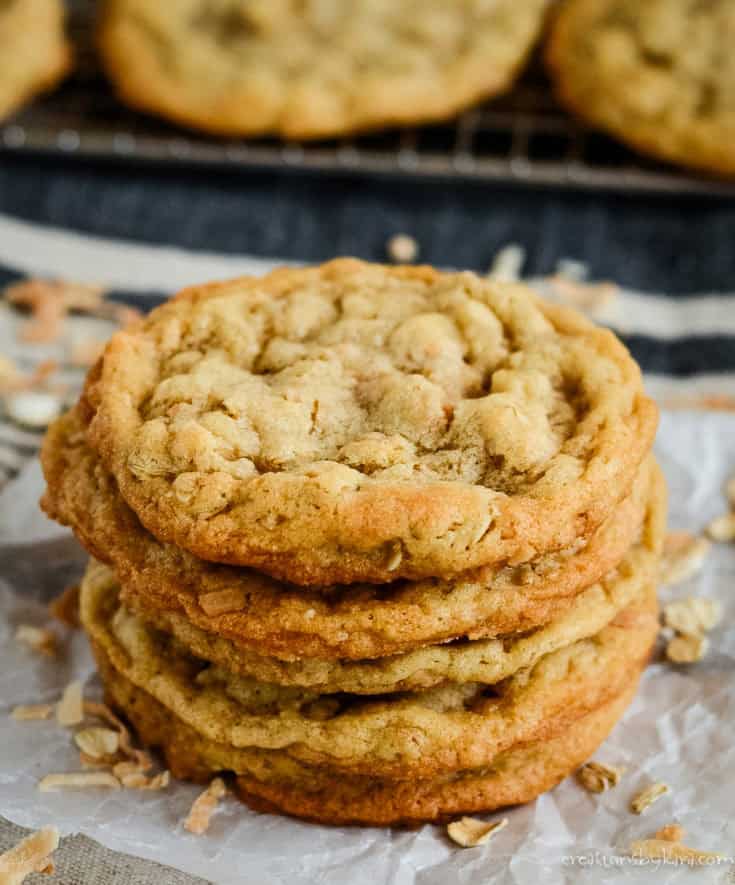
column 522, row 138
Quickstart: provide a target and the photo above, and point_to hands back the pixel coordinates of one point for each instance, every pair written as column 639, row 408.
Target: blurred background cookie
column 35, row 53
column 315, row 69
column 659, row 75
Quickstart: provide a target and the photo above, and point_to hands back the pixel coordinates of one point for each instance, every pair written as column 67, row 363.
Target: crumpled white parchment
column 679, row 730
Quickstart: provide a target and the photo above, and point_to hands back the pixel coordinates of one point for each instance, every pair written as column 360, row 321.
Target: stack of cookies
column 382, row 543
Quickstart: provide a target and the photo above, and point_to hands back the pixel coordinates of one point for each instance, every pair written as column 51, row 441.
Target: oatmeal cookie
column 358, row 422
column 35, row 52
column 480, row 660
column 240, row 614
column 271, row 781
column 314, row 69
column 659, row 75
column 451, row 727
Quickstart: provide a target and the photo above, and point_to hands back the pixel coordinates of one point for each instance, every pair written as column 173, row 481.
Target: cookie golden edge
column 518, row 776
column 134, row 70
column 353, row 544
column 694, row 147
column 47, row 25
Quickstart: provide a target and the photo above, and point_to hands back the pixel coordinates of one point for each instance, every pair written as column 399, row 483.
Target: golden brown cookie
column 659, row 75
column 358, row 422
column 452, row 727
column 238, row 613
column 313, row 69
column 270, row 781
column 35, row 52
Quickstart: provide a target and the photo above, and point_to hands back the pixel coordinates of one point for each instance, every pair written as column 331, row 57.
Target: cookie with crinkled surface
column 35, row 52
column 240, row 615
column 314, row 69
column 451, row 727
column 659, row 75
column 270, row 781
column 358, row 422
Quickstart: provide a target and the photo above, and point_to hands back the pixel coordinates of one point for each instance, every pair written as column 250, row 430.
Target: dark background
column 649, row 242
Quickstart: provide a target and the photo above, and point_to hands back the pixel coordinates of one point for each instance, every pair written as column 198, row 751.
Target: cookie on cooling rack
column 659, row 75
column 35, row 53
column 310, row 70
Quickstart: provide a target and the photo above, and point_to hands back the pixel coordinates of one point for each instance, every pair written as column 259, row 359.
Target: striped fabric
column 685, row 345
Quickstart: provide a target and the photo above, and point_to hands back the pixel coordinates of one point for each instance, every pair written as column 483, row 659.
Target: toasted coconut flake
column 508, row 264
column 40, row 639
column 30, row 712
column 98, row 742
column 70, row 709
column 136, row 780
column 643, row 800
column 220, row 602
column 30, row 855
column 49, row 301
column 663, row 849
column 140, row 758
column 597, row 778
column 470, row 832
column 684, row 555
column 204, row 806
column 723, row 528
column 10, row 374
column 65, row 607
column 687, row 649
column 670, row 833
column 34, row 409
column 693, row 616
column 78, row 779
column 402, row 249
column 730, row 491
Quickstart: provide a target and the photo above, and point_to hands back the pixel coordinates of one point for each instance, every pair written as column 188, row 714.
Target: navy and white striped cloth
column 685, row 345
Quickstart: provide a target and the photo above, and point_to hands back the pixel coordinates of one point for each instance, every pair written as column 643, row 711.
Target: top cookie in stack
column 382, row 542
column 361, row 423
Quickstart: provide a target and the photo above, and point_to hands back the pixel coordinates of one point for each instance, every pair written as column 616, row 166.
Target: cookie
column 452, row 727
column 35, row 52
column 357, row 422
column 269, row 781
column 254, row 616
column 659, row 75
column 486, row 661
column 315, row 69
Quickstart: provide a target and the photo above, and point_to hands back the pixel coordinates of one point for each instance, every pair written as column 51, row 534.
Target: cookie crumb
column 643, row 800
column 70, row 709
column 30, row 712
column 39, row 639
column 30, row 855
column 402, row 249
column 663, row 849
column 684, row 555
column 687, row 649
column 670, row 833
column 470, row 832
column 722, row 529
column 200, row 814
column 78, row 779
column 597, row 778
column 693, row 616
column 98, row 742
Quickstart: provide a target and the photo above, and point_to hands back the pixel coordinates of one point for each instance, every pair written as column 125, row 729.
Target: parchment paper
column 679, row 730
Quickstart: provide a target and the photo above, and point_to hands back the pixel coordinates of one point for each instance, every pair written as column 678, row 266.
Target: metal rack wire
column 523, row 138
